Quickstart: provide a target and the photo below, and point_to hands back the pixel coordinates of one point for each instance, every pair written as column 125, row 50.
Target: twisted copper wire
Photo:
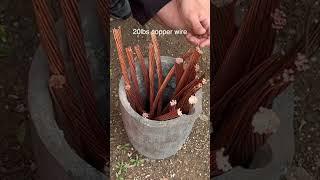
column 194, row 58
column 104, row 11
column 48, row 37
column 161, row 91
column 158, row 65
column 94, row 146
column 151, row 74
column 78, row 53
column 143, row 69
column 118, row 40
column 133, row 76
column 234, row 110
column 224, row 19
column 179, row 71
column 241, row 54
column 173, row 113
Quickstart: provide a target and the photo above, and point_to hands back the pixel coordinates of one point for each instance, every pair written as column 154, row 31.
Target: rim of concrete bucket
column 43, row 119
column 281, row 144
column 154, row 123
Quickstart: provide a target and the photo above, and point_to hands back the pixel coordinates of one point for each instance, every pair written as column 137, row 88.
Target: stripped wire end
column 127, row 87
column 173, row 102
column 179, row 60
column 179, row 112
column 197, row 68
column 204, row 81
column 279, row 19
column 199, row 50
column 57, row 81
column 145, row 115
column 222, row 161
column 193, row 100
column 199, row 85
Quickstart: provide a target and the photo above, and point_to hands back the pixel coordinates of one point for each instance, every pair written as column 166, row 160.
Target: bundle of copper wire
column 88, row 136
column 247, row 76
column 185, row 70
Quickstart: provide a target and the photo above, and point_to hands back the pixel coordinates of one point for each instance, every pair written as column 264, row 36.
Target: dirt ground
column 307, row 121
column 192, row 161
column 16, row 162
column 300, row 16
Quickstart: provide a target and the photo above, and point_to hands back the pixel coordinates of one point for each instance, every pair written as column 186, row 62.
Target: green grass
column 123, row 148
column 121, row 169
column 135, row 162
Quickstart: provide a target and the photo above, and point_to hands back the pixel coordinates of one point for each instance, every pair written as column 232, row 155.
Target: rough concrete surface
column 56, row 158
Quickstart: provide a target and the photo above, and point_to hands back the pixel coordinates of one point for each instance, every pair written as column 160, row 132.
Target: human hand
column 196, row 15
column 173, row 18
column 169, row 16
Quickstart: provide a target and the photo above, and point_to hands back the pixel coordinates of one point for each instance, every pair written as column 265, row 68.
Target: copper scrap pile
column 186, row 73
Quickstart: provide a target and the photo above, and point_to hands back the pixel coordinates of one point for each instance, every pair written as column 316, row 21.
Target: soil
column 16, row 162
column 300, row 16
column 192, row 161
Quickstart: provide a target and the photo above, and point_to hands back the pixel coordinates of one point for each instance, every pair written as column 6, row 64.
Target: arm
column 144, row 10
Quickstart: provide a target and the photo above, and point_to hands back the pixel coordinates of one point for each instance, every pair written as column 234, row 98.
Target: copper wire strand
column 64, row 96
column 133, row 76
column 143, row 69
column 161, row 91
column 151, row 75
column 157, row 56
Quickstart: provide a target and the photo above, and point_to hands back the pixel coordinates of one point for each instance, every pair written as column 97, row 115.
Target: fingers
column 206, row 24
column 192, row 39
column 196, row 25
column 205, row 43
column 202, row 41
column 201, row 31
